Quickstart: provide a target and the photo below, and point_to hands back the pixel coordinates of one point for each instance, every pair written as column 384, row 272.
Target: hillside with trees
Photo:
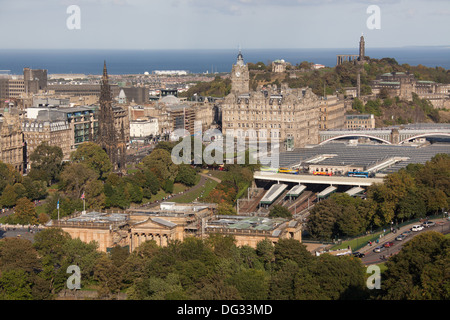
column 329, row 81
column 88, row 172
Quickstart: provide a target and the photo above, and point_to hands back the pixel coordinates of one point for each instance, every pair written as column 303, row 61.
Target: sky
column 222, row 24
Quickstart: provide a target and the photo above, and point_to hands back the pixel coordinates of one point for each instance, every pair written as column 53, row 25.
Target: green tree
column 8, row 176
column 108, row 276
column 9, row 197
column 75, row 177
column 16, row 253
column 168, row 186
column 322, row 220
column 266, row 252
column 95, row 196
column 84, row 255
column 291, row 249
column 15, row 285
column 25, row 212
column 413, row 265
column 119, row 255
column 278, row 211
column 161, row 164
column 226, row 209
column 135, row 264
column 329, row 277
column 282, row 282
column 251, row 284
column 155, row 288
column 186, row 175
column 94, row 157
column 46, row 162
column 34, row 190
column 151, row 184
column 50, row 245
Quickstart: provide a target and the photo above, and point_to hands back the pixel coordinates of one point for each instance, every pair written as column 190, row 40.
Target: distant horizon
column 196, row 61
column 447, row 46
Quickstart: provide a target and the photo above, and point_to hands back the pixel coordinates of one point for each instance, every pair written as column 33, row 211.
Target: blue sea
column 197, row 61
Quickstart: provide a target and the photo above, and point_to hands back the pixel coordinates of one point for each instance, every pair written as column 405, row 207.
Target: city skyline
column 200, row 24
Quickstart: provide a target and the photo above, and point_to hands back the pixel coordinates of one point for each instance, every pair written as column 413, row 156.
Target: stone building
column 82, row 122
column 332, row 113
column 11, row 87
column 54, row 132
column 359, row 121
column 82, row 90
column 288, row 116
column 248, row 231
column 144, row 127
column 107, row 229
column 11, row 139
column 16, row 86
column 170, row 222
column 35, row 80
column 172, row 113
column 403, row 85
column 279, row 66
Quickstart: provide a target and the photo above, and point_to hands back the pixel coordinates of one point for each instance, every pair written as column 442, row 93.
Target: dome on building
column 170, row 99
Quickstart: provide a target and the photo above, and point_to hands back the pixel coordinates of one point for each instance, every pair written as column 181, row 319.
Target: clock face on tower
column 238, row 74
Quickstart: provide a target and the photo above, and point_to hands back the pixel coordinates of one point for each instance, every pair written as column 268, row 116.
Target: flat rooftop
column 99, row 217
column 173, row 208
column 364, row 155
column 245, row 222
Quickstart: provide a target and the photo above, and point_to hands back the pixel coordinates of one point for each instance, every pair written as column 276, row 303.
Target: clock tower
column 240, row 77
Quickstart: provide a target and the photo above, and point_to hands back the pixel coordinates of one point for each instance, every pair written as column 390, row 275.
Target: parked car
column 428, row 224
column 378, row 249
column 358, row 254
column 388, row 244
column 400, row 237
column 417, row 227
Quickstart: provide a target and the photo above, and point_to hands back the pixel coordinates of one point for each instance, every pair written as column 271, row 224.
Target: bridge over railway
column 390, row 135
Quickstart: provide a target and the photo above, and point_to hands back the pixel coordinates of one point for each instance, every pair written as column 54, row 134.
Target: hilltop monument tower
column 362, row 48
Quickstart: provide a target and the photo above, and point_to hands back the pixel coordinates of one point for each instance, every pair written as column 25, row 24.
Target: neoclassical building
column 170, row 222
column 290, row 116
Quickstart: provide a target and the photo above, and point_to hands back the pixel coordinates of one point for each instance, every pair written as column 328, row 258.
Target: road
column 18, row 232
column 375, row 257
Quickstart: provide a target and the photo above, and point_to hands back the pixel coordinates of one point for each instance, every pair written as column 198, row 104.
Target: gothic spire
column 105, row 90
column 105, row 72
